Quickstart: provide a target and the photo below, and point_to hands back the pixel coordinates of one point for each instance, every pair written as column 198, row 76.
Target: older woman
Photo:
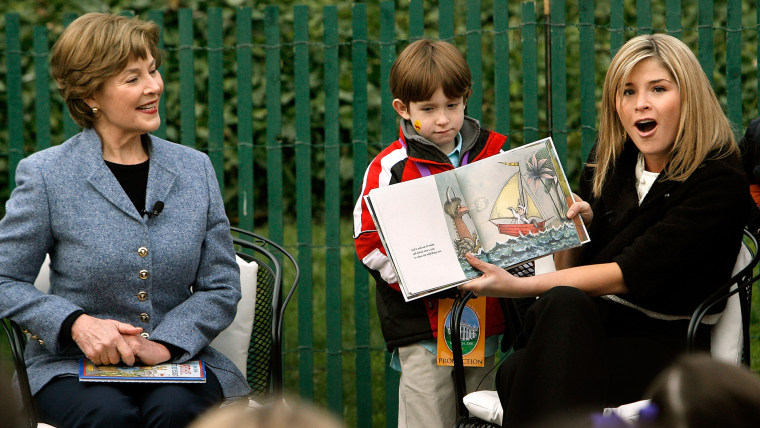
column 142, row 263
column 666, row 201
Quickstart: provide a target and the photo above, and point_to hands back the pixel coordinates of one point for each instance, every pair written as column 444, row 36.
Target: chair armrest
column 17, row 339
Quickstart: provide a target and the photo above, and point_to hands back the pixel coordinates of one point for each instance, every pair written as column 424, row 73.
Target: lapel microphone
column 157, row 208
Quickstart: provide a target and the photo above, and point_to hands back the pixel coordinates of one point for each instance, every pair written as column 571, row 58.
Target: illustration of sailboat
column 514, row 212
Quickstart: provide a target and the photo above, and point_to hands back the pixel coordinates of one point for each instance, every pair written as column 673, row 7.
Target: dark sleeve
column 586, row 181
column 173, row 350
column 64, row 337
column 748, row 146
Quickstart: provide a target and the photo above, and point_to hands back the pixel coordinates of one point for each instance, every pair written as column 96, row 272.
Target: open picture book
column 506, row 209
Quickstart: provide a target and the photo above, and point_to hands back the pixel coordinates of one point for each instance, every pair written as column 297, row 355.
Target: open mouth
column 646, row 125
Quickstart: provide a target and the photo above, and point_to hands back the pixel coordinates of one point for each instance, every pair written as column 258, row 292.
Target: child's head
column 291, row 414
column 430, row 82
column 426, row 65
column 702, row 127
column 699, row 391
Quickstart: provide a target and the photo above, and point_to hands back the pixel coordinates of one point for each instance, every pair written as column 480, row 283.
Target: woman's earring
column 95, row 111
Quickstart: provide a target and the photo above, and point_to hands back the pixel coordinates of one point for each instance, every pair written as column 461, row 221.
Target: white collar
column 644, row 179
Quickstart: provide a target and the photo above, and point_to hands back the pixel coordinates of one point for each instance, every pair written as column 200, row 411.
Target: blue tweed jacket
column 68, row 203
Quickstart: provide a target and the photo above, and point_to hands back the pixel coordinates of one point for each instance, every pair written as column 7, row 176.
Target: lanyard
column 423, row 169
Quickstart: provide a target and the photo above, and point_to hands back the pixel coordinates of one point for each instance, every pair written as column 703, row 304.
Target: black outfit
column 81, row 404
column 674, row 249
column 134, row 181
column 749, row 145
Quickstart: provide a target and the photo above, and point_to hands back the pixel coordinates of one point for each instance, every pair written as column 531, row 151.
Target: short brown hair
column 426, row 65
column 93, row 48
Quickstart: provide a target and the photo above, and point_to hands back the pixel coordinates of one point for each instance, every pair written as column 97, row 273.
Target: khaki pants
column 426, row 395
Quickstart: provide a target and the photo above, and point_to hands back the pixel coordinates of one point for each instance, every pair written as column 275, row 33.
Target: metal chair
column 264, row 360
column 264, row 367
column 736, row 311
column 514, row 310
column 20, row 393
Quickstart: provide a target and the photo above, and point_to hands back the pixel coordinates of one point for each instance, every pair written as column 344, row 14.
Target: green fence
column 290, row 104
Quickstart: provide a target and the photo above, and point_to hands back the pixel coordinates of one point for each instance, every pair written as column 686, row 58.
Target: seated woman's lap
column 66, row 402
column 583, row 353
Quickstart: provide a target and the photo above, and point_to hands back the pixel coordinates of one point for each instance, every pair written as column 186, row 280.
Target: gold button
column 142, row 251
column 34, row 336
column 143, row 274
column 42, row 342
column 142, row 296
column 26, row 330
column 145, row 335
column 144, row 317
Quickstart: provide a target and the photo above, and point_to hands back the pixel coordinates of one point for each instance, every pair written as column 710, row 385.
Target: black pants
column 583, row 354
column 67, row 403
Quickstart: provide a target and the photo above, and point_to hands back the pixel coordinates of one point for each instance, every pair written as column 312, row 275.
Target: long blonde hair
column 703, row 129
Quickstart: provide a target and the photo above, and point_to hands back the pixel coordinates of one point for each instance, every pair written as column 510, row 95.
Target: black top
column 681, row 243
column 134, row 181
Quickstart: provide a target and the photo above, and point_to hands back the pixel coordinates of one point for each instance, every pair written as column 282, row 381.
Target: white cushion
column 233, row 341
column 43, row 278
column 544, row 265
column 484, row 405
column 727, row 335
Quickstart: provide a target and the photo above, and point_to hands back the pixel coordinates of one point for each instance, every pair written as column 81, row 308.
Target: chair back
column 730, row 335
column 264, row 369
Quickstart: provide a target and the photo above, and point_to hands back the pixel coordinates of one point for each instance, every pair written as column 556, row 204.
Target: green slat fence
column 291, row 103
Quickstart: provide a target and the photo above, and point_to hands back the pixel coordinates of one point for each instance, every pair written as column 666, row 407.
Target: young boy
column 430, row 82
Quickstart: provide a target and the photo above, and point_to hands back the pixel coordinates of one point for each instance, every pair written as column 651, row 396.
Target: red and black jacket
column 410, row 157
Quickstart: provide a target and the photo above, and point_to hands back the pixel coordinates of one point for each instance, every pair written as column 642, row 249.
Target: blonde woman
column 665, row 201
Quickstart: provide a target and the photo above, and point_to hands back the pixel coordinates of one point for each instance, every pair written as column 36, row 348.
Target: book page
column 416, row 235
column 518, row 201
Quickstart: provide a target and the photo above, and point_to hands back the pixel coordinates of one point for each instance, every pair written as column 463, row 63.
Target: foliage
column 50, row 15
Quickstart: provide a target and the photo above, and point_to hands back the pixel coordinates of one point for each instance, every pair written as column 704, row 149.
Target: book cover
column 505, row 209
column 193, row 371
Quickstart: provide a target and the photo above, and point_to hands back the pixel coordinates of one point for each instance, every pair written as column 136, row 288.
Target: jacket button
column 142, row 251
column 144, row 317
column 142, row 296
column 145, row 335
column 143, row 274
column 41, row 342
